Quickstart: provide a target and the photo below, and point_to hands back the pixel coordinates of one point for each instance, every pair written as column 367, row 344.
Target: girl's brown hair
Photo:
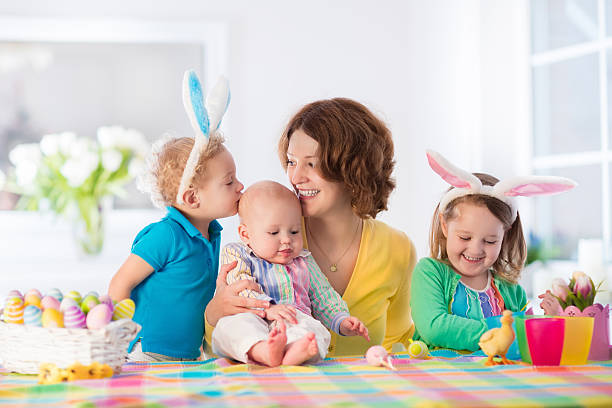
column 513, row 251
column 171, row 161
column 355, row 148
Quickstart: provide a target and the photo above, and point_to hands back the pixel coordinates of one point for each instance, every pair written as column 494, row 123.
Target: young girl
column 477, row 253
column 271, row 253
column 172, row 268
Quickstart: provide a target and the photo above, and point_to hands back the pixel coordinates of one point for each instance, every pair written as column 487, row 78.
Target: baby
column 271, row 253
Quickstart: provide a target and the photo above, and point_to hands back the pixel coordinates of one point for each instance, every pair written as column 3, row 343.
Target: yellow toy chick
column 496, row 342
column 49, row 373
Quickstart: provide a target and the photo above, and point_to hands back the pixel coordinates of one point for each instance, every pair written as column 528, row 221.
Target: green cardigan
column 431, row 294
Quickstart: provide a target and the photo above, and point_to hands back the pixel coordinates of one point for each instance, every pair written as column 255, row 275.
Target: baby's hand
column 550, row 304
column 352, row 326
column 281, row 312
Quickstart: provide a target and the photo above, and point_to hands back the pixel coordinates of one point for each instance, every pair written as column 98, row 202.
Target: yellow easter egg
column 52, row 318
column 32, row 299
column 124, row 309
column 13, row 311
column 418, row 349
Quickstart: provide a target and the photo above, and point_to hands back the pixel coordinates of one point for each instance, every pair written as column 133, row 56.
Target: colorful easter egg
column 75, row 295
column 74, row 318
column 2, row 315
column 56, row 293
column 378, row 356
column 32, row 299
column 33, row 291
column 88, row 303
column 106, row 299
column 90, row 293
column 98, row 317
column 32, row 316
column 52, row 318
column 14, row 292
column 49, row 302
column 13, row 311
column 66, row 302
column 418, row 349
column 124, row 309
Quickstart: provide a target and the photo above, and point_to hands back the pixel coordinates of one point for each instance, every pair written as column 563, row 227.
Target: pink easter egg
column 49, row 302
column 34, row 292
column 99, row 316
column 74, row 318
column 14, row 292
column 375, row 355
column 106, row 299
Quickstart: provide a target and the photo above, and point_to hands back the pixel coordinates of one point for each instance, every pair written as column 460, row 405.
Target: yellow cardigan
column 378, row 292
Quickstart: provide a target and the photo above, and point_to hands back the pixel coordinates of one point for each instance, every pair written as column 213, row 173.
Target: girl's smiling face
column 317, row 195
column 473, row 241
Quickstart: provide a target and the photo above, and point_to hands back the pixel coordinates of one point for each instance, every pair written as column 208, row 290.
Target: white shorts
column 234, row 335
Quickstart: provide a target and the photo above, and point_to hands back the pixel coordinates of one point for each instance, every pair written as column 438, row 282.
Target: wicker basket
column 24, row 348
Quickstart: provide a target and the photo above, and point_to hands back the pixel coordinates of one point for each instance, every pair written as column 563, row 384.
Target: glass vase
column 88, row 230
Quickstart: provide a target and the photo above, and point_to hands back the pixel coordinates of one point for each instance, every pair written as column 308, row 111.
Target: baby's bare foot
column 270, row 352
column 301, row 350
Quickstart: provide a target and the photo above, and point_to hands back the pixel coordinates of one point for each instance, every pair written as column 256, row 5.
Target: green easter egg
column 89, row 302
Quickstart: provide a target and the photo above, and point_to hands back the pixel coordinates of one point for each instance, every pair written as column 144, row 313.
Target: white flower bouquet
column 71, row 175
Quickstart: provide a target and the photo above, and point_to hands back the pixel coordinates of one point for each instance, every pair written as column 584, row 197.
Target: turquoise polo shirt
column 170, row 302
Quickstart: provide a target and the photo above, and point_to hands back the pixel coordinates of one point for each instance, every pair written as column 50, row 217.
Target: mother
column 339, row 158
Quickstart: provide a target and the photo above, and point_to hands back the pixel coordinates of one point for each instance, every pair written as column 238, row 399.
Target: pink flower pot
column 600, row 344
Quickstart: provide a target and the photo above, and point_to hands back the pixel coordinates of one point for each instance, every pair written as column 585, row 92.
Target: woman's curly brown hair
column 170, row 163
column 355, row 148
column 511, row 259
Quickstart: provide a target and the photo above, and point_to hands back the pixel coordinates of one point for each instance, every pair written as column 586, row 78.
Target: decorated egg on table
column 106, row 299
column 49, row 302
column 32, row 316
column 32, row 299
column 418, row 349
column 33, row 291
column 74, row 318
column 378, row 356
column 124, row 309
column 99, row 316
column 56, row 293
column 14, row 292
column 13, row 310
column 89, row 302
column 67, row 302
column 92, row 293
column 52, row 318
column 75, row 295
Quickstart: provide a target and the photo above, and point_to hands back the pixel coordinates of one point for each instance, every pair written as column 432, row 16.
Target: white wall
column 417, row 64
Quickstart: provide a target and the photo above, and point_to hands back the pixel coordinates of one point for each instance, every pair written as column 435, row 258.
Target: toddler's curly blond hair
column 166, row 165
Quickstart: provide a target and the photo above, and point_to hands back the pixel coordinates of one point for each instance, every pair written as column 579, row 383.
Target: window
column 571, row 70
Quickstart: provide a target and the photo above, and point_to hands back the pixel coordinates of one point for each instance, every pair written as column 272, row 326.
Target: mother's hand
column 227, row 301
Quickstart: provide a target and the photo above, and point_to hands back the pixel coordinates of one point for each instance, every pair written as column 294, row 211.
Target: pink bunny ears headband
column 205, row 118
column 466, row 184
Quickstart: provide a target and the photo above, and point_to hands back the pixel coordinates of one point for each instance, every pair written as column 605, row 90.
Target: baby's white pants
column 234, row 335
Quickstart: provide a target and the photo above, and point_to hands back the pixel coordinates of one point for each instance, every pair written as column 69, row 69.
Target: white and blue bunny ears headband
column 466, row 183
column 205, row 118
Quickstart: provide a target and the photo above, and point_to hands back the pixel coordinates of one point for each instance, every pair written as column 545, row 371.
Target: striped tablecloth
column 453, row 381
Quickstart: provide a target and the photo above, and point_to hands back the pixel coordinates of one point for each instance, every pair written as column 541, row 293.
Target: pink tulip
column 582, row 284
column 560, row 289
